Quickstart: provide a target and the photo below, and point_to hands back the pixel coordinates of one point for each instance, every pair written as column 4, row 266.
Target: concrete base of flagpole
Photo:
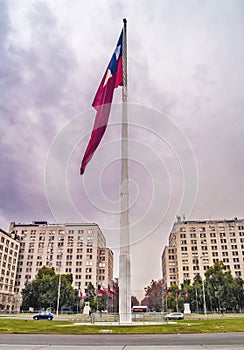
column 87, row 309
column 124, row 290
column 187, row 309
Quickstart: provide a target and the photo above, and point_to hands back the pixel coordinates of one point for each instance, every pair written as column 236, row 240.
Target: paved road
column 223, row 341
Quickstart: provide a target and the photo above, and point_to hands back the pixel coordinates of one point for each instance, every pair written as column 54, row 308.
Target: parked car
column 175, row 316
column 43, row 316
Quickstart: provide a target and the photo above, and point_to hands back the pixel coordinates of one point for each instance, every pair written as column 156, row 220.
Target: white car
column 175, row 316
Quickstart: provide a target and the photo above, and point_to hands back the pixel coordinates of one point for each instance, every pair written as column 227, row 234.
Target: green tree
column 223, row 291
column 42, row 292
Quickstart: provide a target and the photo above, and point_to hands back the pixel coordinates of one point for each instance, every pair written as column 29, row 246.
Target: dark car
column 175, row 316
column 43, row 316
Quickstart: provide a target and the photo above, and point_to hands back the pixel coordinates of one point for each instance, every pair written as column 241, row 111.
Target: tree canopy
column 42, row 292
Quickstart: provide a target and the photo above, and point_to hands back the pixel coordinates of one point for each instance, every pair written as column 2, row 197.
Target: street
column 215, row 341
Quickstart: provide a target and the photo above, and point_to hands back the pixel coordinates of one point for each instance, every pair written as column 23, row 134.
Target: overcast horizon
column 186, row 108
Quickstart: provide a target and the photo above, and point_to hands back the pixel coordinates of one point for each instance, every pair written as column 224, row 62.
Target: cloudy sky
column 186, row 88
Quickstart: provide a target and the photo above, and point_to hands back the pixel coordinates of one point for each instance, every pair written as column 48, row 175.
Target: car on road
column 43, row 316
column 175, row 316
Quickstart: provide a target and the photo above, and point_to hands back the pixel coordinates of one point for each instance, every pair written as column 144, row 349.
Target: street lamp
column 204, row 299
column 204, row 296
column 59, row 287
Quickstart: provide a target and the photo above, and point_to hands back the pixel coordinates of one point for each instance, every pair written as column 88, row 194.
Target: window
column 224, row 247
column 204, row 247
column 194, row 248
column 202, row 235
column 185, row 268
column 192, row 235
column 225, row 253
column 214, row 247
column 214, row 241
column 171, row 257
column 193, row 241
column 183, row 242
column 233, row 246
column 237, row 266
column 211, row 228
column 195, row 267
column 215, row 254
column 192, row 229
column 212, row 234
column 232, row 240
column 236, row 259
column 215, row 260
column 182, row 229
column 183, row 249
column 234, row 253
column 182, row 235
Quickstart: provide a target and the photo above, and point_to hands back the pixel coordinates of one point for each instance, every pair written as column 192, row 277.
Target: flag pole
column 124, row 258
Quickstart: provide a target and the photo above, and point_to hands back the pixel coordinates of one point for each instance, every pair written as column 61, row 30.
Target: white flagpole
column 124, row 258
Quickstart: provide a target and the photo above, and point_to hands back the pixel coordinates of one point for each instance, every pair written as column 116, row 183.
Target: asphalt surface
column 224, row 341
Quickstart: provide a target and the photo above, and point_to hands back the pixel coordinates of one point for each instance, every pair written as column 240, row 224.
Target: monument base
column 187, row 309
column 87, row 309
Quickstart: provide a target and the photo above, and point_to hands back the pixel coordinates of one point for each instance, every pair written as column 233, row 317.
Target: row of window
column 211, row 228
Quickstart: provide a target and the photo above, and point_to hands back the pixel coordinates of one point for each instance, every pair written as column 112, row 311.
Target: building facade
column 194, row 246
column 79, row 249
column 9, row 251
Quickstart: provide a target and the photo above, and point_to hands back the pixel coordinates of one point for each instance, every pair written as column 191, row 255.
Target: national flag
column 100, row 289
column 80, row 293
column 187, row 295
column 112, row 78
column 110, row 291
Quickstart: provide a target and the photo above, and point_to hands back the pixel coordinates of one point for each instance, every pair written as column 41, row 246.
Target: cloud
column 185, row 60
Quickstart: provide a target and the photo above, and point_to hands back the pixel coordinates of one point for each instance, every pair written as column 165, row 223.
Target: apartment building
column 74, row 248
column 9, row 251
column 194, row 246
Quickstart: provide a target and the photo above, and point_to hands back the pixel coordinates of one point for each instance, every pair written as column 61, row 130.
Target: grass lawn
column 16, row 326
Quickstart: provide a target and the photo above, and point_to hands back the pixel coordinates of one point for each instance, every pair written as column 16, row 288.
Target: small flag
column 100, row 289
column 110, row 291
column 112, row 78
column 187, row 295
column 80, row 293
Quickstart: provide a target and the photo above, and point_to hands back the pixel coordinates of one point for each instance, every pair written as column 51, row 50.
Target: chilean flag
column 112, row 78
column 110, row 291
column 100, row 289
column 80, row 293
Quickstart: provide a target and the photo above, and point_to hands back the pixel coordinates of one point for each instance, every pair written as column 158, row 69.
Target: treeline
column 221, row 291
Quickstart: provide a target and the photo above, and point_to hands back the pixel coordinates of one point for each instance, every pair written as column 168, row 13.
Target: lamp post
column 204, row 295
column 204, row 299
column 59, row 287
